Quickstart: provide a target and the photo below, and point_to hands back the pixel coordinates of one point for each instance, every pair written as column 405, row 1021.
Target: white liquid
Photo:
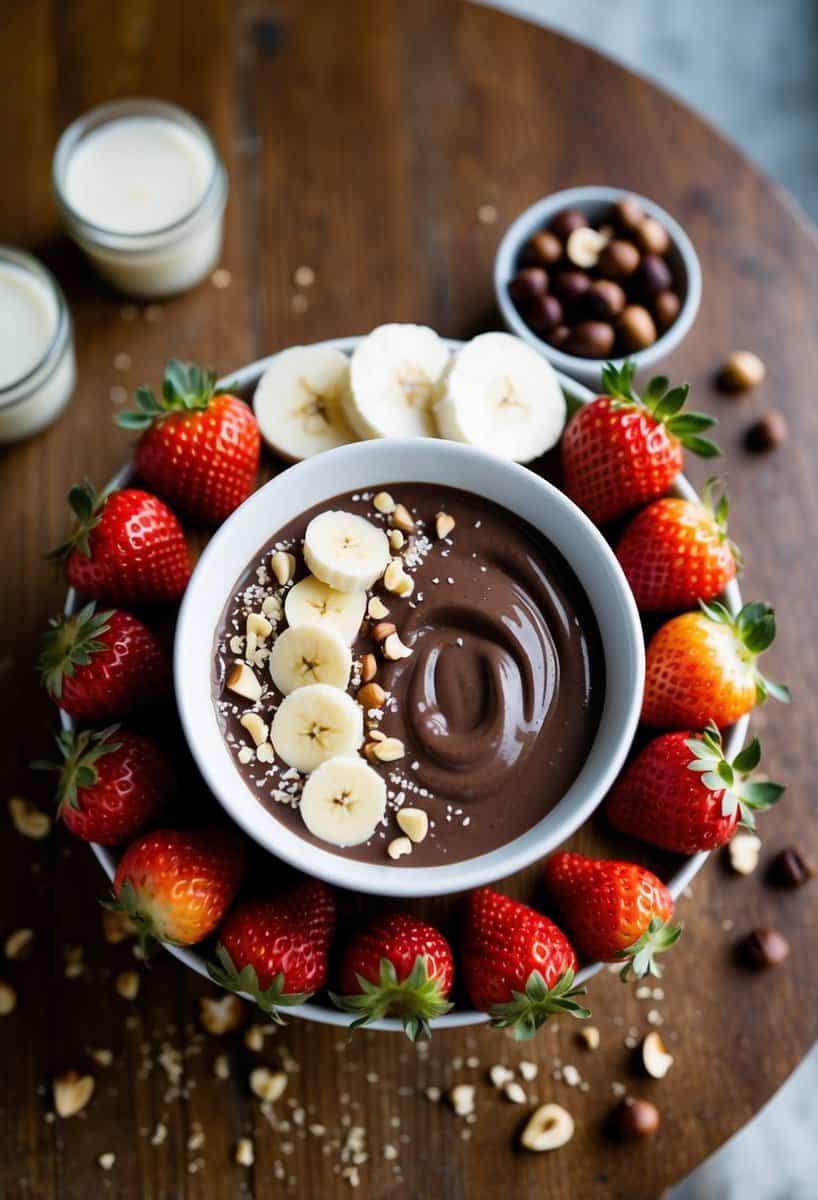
column 137, row 174
column 29, row 317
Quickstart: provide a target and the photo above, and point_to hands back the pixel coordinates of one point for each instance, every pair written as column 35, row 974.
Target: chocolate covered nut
column 636, row 328
column 565, row 222
column 619, row 259
column 653, row 275
column 590, row 339
column 764, row 948
column 767, row 433
column 652, row 236
column 742, row 370
column 527, row 284
column 558, row 336
column 666, row 308
column 571, row 287
column 633, row 1118
column 542, row 250
column 605, row 299
column 791, row 868
column 628, row 213
column 544, row 313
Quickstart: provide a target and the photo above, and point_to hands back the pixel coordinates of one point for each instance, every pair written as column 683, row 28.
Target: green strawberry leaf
column 527, row 1011
column 416, row 1001
column 641, row 955
column 245, row 981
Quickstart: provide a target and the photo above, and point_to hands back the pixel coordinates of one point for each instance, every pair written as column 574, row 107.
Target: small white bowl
column 595, row 201
column 368, row 465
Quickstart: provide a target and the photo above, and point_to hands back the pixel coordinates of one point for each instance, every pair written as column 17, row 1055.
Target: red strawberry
column 620, row 451
column 98, row 665
column 199, row 447
column 112, row 782
column 701, row 667
column 676, row 552
column 176, row 885
column 680, row 792
column 613, row 910
column 397, row 967
column 127, row 548
column 276, row 950
column 517, row 965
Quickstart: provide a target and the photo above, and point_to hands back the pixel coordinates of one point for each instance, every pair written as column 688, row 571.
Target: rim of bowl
column 532, row 219
column 369, row 464
column 318, row 1009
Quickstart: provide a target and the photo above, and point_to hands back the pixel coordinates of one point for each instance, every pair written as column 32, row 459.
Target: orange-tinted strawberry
column 112, row 782
column 701, row 667
column 275, row 950
column 680, row 792
column 199, row 447
column 517, row 965
column 613, row 911
column 176, row 885
column 127, row 547
column 676, row 552
column 621, row 450
column 399, row 967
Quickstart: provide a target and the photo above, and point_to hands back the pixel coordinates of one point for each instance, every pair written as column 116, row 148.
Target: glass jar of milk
column 142, row 191
column 37, row 365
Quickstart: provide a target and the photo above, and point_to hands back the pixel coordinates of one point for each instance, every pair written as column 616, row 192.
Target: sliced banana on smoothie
column 343, row 801
column 502, row 396
column 311, row 602
column 394, row 377
column 315, row 723
column 305, row 654
column 298, row 402
column 345, row 551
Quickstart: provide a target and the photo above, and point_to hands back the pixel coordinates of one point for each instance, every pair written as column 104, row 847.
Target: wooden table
column 363, row 141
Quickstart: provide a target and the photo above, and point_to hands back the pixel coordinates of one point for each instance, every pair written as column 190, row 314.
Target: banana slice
column 502, row 396
column 345, row 551
column 314, row 723
column 394, row 375
column 311, row 602
column 343, row 801
column 305, row 654
column 298, row 402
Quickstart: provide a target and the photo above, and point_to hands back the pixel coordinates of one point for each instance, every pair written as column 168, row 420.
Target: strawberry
column 98, row 665
column 112, row 782
column 276, row 950
column 397, row 967
column 199, row 447
column 127, row 547
column 517, row 965
column 620, row 451
column 176, row 885
column 676, row 552
column 680, row 792
column 701, row 667
column 613, row 910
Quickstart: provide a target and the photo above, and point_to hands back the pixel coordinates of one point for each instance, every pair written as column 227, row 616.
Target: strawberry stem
column 80, row 753
column 754, row 630
column 245, row 981
column 732, row 778
column 71, row 642
column 416, row 1001
column 664, row 404
column 659, row 936
column 86, row 503
column 185, row 388
column 528, row 1010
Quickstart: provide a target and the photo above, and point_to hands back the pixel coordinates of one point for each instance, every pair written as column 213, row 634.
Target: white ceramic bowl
column 595, row 202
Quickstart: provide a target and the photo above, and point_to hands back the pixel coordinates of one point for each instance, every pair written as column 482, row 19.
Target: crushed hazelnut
column 282, row 565
column 372, row 695
column 389, row 750
column 444, row 524
column 127, row 984
column 376, row 609
column 117, row 926
column 19, row 944
column 267, row 1085
column 394, row 649
column 106, row 1161
column 245, row 1155
column 402, row 519
column 382, row 631
column 414, row 822
column 397, row 539
column 743, row 851
column 28, row 819
column 655, row 1058
column 8, row 998
column 399, row 847
column 254, row 725
column 514, row 1092
column 221, row 1014
column 383, row 503
column 72, row 1092
column 461, row 1098
column 548, row 1128
column 589, row 1036
column 243, row 682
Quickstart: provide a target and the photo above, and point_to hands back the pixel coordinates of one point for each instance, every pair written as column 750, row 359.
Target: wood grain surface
column 361, row 139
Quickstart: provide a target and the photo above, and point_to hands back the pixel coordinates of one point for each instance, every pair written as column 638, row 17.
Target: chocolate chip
column 791, row 868
column 768, row 433
column 764, row 948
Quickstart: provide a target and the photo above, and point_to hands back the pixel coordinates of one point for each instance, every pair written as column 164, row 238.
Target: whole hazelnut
column 605, row 299
column 628, row 213
column 565, row 222
column 653, row 275
column 571, row 287
column 791, row 868
column 633, row 1118
column 590, row 339
column 542, row 250
column 768, row 432
column 544, row 313
column 527, row 284
column 666, row 308
column 558, row 336
column 764, row 948
column 618, row 259
column 652, row 236
column 743, row 370
column 636, row 328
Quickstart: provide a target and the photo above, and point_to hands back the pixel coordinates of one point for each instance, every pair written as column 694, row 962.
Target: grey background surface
column 751, row 68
